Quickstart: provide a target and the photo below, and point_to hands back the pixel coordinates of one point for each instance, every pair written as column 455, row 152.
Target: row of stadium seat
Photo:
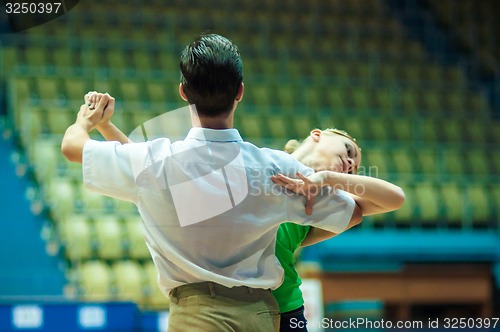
column 384, row 98
column 124, row 280
column 446, row 205
column 42, row 127
column 105, row 236
column 367, row 70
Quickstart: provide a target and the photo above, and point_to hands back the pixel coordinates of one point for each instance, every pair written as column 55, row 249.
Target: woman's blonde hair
column 292, row 145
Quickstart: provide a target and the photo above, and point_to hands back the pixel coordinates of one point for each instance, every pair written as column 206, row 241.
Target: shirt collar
column 214, row 135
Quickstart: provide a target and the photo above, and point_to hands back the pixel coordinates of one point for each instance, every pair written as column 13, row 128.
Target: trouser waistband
column 213, row 289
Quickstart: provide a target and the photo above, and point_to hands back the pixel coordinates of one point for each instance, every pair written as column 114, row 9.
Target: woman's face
column 337, row 153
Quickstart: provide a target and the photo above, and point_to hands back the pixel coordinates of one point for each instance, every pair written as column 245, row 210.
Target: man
column 209, row 207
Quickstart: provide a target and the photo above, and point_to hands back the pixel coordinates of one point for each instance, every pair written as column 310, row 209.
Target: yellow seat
column 478, row 162
column 376, row 163
column 384, row 100
column 132, row 91
column 454, row 161
column 46, row 157
column 402, row 129
column 155, row 299
column 338, row 100
column 403, row 161
column 361, row 99
column 48, row 88
column 252, row 125
column 109, row 236
column 95, row 281
column 76, row 88
column 279, row 127
column 76, row 235
column 427, row 160
column 410, row 101
column 92, row 202
column 129, row 281
column 60, row 118
column 454, row 203
column 287, row 96
column 137, row 248
column 429, row 203
column 480, row 205
column 60, row 194
column 156, row 91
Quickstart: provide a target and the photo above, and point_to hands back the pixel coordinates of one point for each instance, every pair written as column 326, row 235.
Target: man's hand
column 308, row 186
column 93, row 99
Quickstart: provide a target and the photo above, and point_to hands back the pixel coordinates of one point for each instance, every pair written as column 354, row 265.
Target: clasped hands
column 96, row 111
column 309, row 186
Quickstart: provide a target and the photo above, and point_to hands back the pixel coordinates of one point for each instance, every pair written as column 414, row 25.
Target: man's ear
column 240, row 93
column 181, row 92
column 315, row 135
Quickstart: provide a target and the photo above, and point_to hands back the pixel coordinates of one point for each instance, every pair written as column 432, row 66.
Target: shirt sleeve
column 332, row 210
column 109, row 167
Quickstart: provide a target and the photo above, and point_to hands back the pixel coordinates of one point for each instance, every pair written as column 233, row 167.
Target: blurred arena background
column 415, row 81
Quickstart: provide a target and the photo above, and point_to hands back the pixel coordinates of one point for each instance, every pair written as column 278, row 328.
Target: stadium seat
column 478, row 162
column 338, row 100
column 378, row 129
column 361, row 100
column 429, row 204
column 428, row 161
column 76, row 234
column 432, row 102
column 451, row 130
column 117, row 58
column 453, row 200
column 384, row 100
column 156, row 91
column 132, row 90
column 495, row 204
column 136, row 243
column 480, row 205
column 454, row 103
column 287, row 97
column 109, row 236
column 46, row 157
column 60, row 118
column 75, row 88
column 95, row 281
column 403, row 161
column 48, row 88
column 279, row 127
column 32, row 123
column 129, row 281
column 92, row 202
column 377, row 163
column 65, row 57
column 252, row 125
column 453, row 162
column 410, row 101
column 155, row 299
column 60, row 196
column 312, row 98
column 403, row 129
column 36, row 56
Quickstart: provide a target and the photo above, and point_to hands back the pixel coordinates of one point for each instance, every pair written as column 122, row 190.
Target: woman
column 336, row 157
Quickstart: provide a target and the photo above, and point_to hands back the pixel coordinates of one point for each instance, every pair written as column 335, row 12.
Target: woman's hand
column 309, row 186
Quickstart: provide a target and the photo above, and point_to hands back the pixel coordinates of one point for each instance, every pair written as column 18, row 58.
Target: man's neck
column 216, row 123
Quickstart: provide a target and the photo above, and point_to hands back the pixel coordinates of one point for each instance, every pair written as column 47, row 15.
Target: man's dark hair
column 211, row 74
